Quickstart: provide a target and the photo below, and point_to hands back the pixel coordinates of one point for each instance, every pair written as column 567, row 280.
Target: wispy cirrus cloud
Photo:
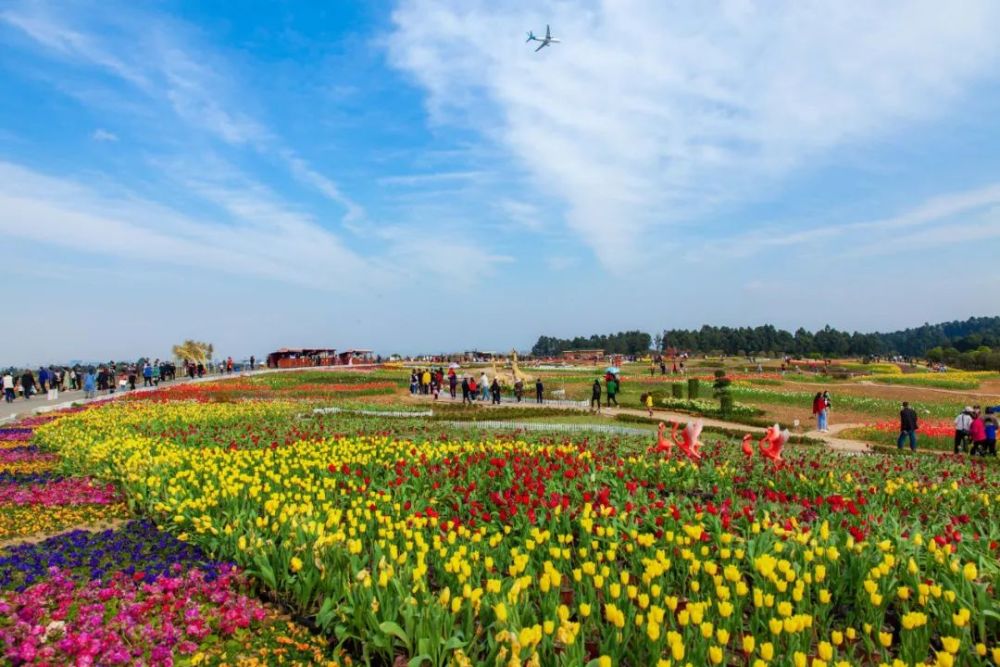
column 244, row 229
column 936, row 221
column 102, row 135
column 431, row 178
column 652, row 113
column 258, row 236
column 174, row 71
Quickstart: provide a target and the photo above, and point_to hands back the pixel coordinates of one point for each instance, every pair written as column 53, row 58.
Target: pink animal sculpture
column 663, row 444
column 689, row 443
column 773, row 441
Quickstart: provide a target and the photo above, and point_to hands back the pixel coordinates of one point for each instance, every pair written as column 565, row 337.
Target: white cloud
column 561, row 263
column 254, row 234
column 160, row 58
column 101, row 135
column 259, row 237
column 440, row 255
column 651, row 113
column 431, row 178
column 523, row 214
column 888, row 234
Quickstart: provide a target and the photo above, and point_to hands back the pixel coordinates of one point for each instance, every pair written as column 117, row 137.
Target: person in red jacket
column 977, row 432
column 819, row 409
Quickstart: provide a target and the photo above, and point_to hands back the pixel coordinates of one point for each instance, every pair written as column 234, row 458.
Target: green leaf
column 419, row 660
column 393, row 629
column 453, row 643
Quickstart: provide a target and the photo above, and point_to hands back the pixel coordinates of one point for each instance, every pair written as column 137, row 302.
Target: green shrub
column 677, row 390
column 694, row 385
column 726, row 404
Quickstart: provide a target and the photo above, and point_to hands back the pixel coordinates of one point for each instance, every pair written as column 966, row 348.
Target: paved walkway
column 39, row 403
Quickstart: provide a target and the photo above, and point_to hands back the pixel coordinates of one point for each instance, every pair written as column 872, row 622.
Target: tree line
column 971, row 343
column 623, row 342
column 961, row 336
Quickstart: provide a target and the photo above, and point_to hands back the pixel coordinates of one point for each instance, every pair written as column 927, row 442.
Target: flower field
column 937, row 434
column 129, row 595
column 402, row 541
column 947, row 380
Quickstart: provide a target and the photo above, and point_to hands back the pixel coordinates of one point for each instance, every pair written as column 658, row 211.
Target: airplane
column 544, row 42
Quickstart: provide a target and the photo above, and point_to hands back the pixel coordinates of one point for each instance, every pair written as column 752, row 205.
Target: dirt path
column 830, row 437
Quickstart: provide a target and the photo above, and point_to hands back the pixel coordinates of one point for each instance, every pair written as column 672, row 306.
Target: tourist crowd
column 110, row 377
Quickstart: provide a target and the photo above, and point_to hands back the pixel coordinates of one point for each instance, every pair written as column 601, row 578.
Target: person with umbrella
column 612, row 384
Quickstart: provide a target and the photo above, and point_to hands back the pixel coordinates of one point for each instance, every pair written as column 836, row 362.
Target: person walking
column 518, row 390
column 132, row 376
column 253, row 362
column 484, row 386
column 962, row 423
column 414, row 384
column 43, row 379
column 649, row 403
column 977, row 432
column 495, row 388
column 539, row 390
column 612, row 391
column 27, row 385
column 465, row 391
column 819, row 410
column 907, row 427
column 8, row 386
column 595, row 396
column 89, row 384
column 452, row 383
column 829, row 408
column 990, row 424
column 425, row 382
column 147, row 374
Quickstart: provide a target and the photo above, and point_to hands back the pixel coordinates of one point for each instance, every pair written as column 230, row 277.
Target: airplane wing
column 541, row 46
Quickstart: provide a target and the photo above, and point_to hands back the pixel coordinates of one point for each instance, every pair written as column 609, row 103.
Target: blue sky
column 411, row 176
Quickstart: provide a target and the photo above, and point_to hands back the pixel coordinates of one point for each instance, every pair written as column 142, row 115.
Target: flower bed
column 863, row 404
column 29, row 520
column 26, row 459
column 52, row 491
column 931, row 434
column 947, row 380
column 305, row 385
column 132, row 595
column 122, row 622
column 551, row 551
column 137, row 549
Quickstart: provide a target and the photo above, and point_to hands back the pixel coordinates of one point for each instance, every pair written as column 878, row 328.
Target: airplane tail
column 531, row 36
